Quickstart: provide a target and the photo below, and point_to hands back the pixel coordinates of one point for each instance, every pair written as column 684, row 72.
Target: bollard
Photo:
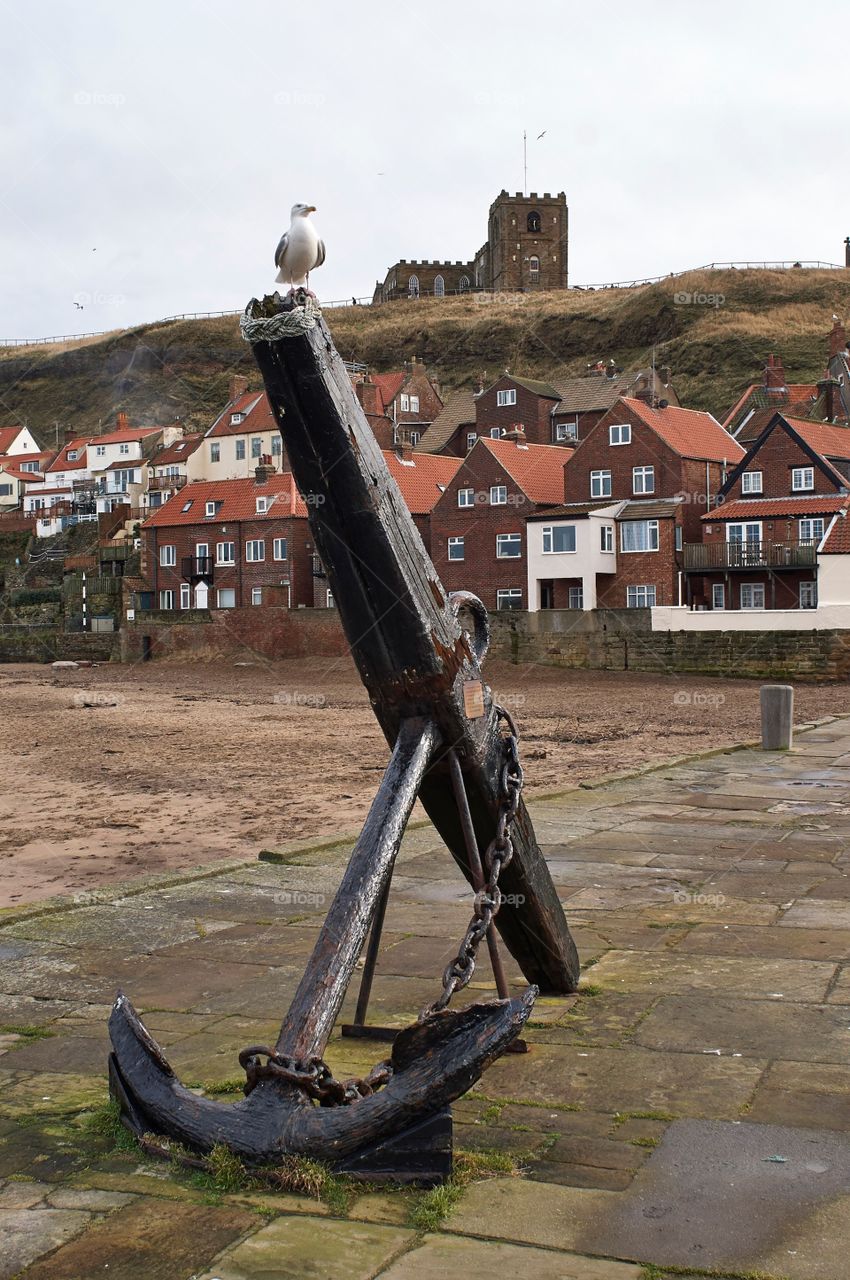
column 777, row 717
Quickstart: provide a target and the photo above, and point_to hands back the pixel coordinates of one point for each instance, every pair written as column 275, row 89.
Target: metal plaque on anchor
column 473, row 699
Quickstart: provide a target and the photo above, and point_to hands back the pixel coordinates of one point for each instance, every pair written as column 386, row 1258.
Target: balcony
column 703, row 557
column 317, row 566
column 197, row 568
column 168, row 484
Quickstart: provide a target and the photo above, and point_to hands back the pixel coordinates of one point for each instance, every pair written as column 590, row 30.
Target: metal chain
column 498, row 855
column 314, row 1077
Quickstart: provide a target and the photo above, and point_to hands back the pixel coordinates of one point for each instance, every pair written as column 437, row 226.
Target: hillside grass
column 160, row 372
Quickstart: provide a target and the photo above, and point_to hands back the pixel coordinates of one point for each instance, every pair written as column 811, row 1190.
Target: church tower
column 526, row 243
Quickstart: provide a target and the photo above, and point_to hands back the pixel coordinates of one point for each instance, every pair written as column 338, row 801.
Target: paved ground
column 687, row 1110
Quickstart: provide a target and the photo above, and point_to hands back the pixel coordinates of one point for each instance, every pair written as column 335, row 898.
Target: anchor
column 452, row 748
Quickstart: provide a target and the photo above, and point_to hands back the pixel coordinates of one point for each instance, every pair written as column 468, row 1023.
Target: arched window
column 463, row 284
column 413, row 287
column 533, row 221
column 534, row 266
column 439, row 287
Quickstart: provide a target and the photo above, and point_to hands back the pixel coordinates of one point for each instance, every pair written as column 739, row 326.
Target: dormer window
column 262, row 506
column 533, row 221
column 72, row 455
column 236, row 418
column 211, row 508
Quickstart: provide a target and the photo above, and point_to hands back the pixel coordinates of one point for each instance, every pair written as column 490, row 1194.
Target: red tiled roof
column 838, row 542
column 61, row 463
column 19, row 458
column 238, row 499
column 756, row 508
column 796, row 393
column 825, row 439
column 126, row 434
column 690, row 432
column 176, row 452
column 389, row 385
column 28, row 477
column 258, row 416
column 538, row 469
column 8, row 435
column 421, row 478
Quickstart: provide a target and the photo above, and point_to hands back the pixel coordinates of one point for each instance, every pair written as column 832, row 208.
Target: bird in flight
column 299, row 251
column 542, row 135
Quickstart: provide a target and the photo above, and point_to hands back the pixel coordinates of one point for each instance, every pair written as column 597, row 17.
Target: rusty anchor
column 453, row 749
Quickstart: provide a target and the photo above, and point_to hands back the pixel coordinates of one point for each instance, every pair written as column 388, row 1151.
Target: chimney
column 828, row 396
column 665, row 373
column 404, row 449
column 610, row 369
column 516, row 432
column 122, row 422
column 479, row 384
column 642, row 390
column 70, row 433
column 264, row 470
column 370, row 398
column 837, row 338
column 774, row 374
column 238, row 386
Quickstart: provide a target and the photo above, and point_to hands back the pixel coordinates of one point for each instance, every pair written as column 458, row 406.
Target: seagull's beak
column 311, row 208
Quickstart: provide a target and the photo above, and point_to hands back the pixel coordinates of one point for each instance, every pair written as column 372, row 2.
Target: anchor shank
column 317, row 1001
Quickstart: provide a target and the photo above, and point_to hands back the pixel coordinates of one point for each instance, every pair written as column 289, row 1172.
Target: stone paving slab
column 709, row 901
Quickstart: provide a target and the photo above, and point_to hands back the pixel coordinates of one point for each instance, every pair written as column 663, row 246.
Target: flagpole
column 524, row 162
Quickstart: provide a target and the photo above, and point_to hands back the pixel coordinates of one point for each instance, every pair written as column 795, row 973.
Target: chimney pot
column 238, row 387
column 263, row 470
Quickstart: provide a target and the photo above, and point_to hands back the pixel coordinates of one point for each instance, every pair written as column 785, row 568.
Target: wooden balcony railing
column 166, row 483
column 194, row 567
column 702, row 556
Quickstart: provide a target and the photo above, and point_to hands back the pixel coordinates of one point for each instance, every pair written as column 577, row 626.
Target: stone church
column 526, row 248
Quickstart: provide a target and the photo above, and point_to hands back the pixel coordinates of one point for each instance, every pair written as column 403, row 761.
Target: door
column 744, row 542
column 547, row 595
column 202, row 594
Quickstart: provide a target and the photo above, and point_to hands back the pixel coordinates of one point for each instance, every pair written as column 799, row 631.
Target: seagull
column 300, row 250
column 542, row 135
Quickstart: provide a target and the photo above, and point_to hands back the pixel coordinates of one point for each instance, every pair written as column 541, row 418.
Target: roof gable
column 538, row 469
column 690, row 433
column 423, row 479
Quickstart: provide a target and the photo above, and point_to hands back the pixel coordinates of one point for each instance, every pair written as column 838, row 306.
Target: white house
column 17, row 440
column 242, row 434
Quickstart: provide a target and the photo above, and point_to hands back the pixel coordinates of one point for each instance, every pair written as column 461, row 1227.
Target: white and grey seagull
column 300, row 250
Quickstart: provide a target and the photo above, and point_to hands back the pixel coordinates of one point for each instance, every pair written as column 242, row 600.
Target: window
column 533, row 221
column 508, row 546
column 439, row 287
column 405, row 403
column 600, row 484
column 811, row 530
column 210, row 508
column 566, row 431
column 168, row 556
column 509, row 598
column 166, row 599
column 256, row 595
column 751, row 482
column 6, row 490
column 413, row 287
column 215, row 451
column 506, row 397
column 498, row 495
column 463, row 284
column 640, row 597
column 802, row 478
column 752, row 595
column 225, row 553
column 534, row 267
column 415, row 437
column 414, row 404
column 643, row 479
column 185, row 596
column 620, row 433
column 718, row 596
column 808, row 595
column 279, row 549
column 73, row 454
column 262, row 506
column 226, row 598
column 639, row 535
column 495, row 433
column 466, row 497
column 606, row 538
column 455, row 548
column 236, row 418
column 256, row 447
column 202, row 551
column 255, row 550
column 100, row 451
column 277, row 446
column 678, row 535
column 240, row 450
column 471, row 437
column 559, row 537
column 576, row 598
column 123, row 448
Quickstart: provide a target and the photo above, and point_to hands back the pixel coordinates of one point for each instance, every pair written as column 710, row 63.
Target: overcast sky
column 151, row 152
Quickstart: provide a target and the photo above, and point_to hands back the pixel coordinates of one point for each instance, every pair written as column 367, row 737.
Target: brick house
column 582, row 402
column 634, row 492
column 230, row 543
column 453, row 431
column 478, row 524
column 761, row 544
column 423, row 479
column 399, row 405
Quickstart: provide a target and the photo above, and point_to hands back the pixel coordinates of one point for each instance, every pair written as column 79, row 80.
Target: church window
column 534, row 221
column 439, row 287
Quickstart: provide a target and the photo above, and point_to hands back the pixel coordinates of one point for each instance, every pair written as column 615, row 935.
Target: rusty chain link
column 314, row 1077
column 498, row 855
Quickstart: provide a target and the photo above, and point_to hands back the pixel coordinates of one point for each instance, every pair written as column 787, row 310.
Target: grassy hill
column 159, row 372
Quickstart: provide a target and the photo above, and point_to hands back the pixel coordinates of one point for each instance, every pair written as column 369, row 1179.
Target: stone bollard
column 777, row 717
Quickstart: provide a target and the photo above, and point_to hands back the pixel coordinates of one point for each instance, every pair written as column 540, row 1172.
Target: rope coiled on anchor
column 293, row 323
